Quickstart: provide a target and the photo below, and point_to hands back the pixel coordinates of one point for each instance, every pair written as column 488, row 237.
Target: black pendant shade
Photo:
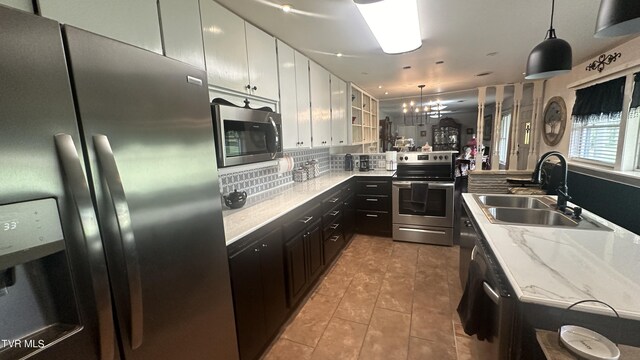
column 551, row 57
column 617, row 18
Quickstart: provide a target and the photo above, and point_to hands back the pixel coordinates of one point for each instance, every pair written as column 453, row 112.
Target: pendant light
column 617, row 18
column 549, row 58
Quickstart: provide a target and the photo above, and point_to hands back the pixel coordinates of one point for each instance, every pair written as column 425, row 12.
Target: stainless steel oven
column 432, row 222
column 245, row 135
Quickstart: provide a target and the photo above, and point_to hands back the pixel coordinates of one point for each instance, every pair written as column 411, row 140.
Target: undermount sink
column 512, row 201
column 539, row 217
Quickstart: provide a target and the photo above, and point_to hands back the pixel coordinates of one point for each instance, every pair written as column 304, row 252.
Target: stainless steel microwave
column 245, row 135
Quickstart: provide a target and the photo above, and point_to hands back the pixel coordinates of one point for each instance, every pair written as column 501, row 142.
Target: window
column 503, row 142
column 596, row 122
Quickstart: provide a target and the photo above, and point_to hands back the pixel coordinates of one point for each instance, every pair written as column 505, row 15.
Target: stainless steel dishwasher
column 495, row 286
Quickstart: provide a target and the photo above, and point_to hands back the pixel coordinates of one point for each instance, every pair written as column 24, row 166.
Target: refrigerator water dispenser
column 37, row 302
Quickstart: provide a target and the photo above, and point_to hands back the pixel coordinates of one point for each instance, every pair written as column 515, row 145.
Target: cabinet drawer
column 374, row 222
column 333, row 228
column 373, row 187
column 332, row 215
column 373, row 202
column 299, row 220
column 332, row 246
column 331, row 201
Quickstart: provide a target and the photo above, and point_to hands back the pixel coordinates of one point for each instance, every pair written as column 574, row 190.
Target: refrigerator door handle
column 115, row 191
column 79, row 191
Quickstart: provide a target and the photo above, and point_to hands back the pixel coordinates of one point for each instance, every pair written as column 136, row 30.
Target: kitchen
column 121, row 200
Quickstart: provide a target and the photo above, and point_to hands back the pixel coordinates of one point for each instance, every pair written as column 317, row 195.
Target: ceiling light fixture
column 549, row 58
column 419, row 113
column 379, row 86
column 394, row 23
column 617, row 18
column 286, row 8
column 386, row 93
column 339, row 54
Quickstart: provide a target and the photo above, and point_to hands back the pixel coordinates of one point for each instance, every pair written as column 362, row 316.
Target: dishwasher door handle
column 492, row 294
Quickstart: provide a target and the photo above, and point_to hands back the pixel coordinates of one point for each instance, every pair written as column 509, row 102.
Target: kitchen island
column 548, row 268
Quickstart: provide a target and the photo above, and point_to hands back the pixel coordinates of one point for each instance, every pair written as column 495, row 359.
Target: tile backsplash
column 264, row 178
column 377, row 160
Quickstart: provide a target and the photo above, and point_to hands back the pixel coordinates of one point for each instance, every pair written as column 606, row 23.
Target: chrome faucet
column 563, row 191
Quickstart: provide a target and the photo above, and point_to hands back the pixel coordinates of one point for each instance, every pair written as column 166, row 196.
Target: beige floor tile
column 311, row 321
column 285, row 349
column 335, row 284
column 358, row 302
column 341, row 340
column 464, row 348
column 420, row 349
column 396, row 292
column 387, row 337
column 429, row 325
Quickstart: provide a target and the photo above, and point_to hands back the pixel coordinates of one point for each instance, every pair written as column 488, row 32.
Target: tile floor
column 381, row 300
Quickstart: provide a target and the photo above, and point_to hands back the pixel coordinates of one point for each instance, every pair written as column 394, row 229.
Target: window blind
column 596, row 122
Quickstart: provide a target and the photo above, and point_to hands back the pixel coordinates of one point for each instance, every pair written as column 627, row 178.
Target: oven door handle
column 492, row 294
column 432, row 185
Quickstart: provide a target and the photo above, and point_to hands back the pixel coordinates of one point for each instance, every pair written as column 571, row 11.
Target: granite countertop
column 241, row 222
column 558, row 266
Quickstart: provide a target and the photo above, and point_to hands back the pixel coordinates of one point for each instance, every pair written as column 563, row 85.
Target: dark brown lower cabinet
column 258, row 282
column 304, row 261
column 349, row 221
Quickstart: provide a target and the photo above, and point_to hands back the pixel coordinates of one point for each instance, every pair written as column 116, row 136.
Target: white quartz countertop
column 241, row 222
column 559, row 266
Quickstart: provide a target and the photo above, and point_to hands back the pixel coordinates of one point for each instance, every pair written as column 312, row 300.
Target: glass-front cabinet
column 446, row 135
column 364, row 119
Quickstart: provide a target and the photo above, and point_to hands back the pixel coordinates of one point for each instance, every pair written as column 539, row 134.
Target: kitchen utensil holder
column 562, row 317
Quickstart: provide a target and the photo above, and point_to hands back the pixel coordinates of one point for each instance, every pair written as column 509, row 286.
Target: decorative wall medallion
column 555, row 120
column 603, row 60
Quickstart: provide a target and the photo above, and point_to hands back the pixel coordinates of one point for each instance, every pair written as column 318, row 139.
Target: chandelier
column 419, row 113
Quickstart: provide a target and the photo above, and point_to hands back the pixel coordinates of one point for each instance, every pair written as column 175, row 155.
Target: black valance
column 635, row 98
column 600, row 98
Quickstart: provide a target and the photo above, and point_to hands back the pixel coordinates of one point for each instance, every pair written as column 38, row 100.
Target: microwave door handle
column 111, row 176
column 277, row 138
column 79, row 191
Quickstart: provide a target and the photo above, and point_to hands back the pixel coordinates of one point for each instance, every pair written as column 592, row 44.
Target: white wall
column 558, row 86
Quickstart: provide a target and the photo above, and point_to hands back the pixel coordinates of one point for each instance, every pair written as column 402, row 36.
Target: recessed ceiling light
column 484, row 73
column 492, row 53
column 406, row 67
column 286, row 8
column 439, row 62
column 386, row 93
column 379, row 86
column 339, row 54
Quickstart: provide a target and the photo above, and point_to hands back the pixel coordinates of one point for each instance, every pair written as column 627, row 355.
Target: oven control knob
column 446, row 157
column 399, row 158
column 440, row 157
column 406, row 158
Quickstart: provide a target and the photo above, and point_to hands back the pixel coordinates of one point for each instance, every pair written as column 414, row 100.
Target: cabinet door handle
column 256, row 250
column 334, row 200
column 335, row 213
column 372, row 215
column 255, row 88
column 492, row 294
column 264, row 245
column 334, row 238
column 306, row 220
column 467, row 223
column 374, row 200
column 371, row 186
column 334, row 226
column 248, row 87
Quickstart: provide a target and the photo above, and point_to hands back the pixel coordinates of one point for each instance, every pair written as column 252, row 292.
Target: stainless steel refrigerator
column 111, row 235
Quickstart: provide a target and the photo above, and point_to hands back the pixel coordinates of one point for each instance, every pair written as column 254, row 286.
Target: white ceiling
column 459, row 32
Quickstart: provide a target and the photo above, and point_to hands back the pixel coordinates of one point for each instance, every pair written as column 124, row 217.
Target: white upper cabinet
column 24, row 5
column 302, row 99
column 181, row 31
column 239, row 56
column 263, row 64
column 320, row 105
column 133, row 22
column 339, row 124
column 224, row 47
column 293, row 70
column 288, row 98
